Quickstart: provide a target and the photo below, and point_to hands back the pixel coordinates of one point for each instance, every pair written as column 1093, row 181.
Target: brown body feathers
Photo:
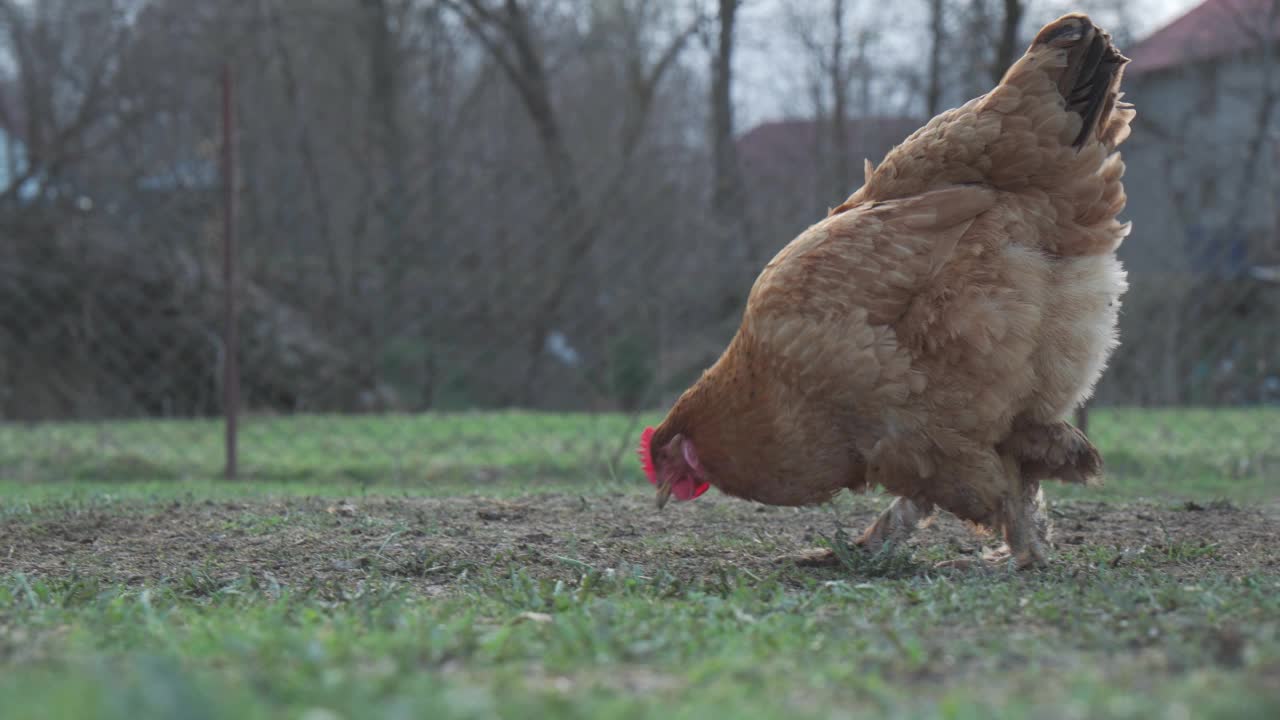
column 931, row 335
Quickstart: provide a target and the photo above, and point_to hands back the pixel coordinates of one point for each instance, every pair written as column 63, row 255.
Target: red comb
column 646, row 455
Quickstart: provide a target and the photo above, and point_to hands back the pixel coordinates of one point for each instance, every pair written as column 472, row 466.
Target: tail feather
column 1090, row 80
column 1067, row 86
column 1058, row 451
column 1049, row 129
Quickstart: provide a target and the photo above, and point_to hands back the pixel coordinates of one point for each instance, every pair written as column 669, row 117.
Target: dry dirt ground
column 432, row 544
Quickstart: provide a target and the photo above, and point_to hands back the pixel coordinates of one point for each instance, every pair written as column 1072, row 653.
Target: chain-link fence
column 445, row 210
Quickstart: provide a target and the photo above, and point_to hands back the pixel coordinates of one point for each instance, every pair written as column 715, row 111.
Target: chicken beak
column 664, row 493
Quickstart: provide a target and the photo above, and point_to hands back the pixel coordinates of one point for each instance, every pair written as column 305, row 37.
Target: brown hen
column 931, row 335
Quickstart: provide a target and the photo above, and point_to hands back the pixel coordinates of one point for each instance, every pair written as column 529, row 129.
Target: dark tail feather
column 1054, row 452
column 1090, row 82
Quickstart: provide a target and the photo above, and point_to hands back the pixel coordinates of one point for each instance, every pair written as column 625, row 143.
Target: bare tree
column 937, row 37
column 837, row 63
column 1007, row 48
column 727, row 190
column 66, row 93
column 1259, row 28
column 839, row 70
column 506, row 33
column 385, row 93
column 317, row 191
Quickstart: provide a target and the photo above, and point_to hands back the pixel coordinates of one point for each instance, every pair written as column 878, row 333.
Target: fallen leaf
column 535, row 617
column 343, row 508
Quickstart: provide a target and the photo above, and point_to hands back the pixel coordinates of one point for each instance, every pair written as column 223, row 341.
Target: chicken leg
column 1034, row 452
column 1027, row 529
column 897, row 523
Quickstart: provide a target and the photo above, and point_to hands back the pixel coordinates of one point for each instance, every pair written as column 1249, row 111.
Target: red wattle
column 684, row 488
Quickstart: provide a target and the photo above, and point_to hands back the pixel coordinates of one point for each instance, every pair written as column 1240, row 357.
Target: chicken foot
column 1027, row 529
column 1035, row 452
column 897, row 523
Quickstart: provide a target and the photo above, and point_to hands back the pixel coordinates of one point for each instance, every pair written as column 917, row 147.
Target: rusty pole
column 231, row 330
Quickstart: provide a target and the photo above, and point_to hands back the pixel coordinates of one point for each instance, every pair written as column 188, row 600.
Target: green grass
column 388, row 449
column 1232, row 453
column 1194, row 453
column 1117, row 643
column 1170, row 627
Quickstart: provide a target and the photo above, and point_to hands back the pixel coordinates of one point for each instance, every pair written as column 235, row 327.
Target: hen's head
column 672, row 465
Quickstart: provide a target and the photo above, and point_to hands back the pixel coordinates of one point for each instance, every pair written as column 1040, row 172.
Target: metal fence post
column 231, row 364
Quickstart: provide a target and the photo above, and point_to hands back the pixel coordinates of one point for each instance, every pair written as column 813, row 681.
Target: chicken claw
column 998, row 559
column 812, row 557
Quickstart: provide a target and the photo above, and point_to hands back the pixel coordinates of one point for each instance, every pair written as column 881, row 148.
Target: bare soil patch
column 434, row 543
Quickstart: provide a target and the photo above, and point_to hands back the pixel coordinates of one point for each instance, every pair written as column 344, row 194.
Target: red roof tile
column 1210, row 30
column 785, row 146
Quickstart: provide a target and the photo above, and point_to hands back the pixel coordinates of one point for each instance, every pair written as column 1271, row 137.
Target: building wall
column 12, row 158
column 1186, row 166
